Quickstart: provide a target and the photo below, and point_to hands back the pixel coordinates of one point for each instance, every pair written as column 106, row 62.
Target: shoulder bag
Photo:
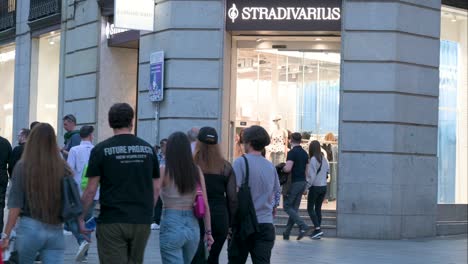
column 246, row 215
column 71, row 201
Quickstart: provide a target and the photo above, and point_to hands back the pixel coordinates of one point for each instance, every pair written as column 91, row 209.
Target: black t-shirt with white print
column 127, row 166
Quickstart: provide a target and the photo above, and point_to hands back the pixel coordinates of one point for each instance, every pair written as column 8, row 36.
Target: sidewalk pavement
column 440, row 250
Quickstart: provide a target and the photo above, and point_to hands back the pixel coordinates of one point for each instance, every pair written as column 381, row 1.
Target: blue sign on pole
column 156, row 87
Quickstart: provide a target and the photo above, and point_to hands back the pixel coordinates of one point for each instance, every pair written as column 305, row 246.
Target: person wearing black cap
column 221, row 189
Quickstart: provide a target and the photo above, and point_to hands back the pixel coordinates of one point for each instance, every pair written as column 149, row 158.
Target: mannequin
column 279, row 142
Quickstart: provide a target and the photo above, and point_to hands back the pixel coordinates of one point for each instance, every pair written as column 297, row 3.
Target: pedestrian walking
column 259, row 238
column 296, row 164
column 5, row 156
column 181, row 180
column 221, row 189
column 127, row 171
column 159, row 205
column 17, row 152
column 317, row 179
column 192, row 135
column 78, row 158
column 71, row 137
column 36, row 197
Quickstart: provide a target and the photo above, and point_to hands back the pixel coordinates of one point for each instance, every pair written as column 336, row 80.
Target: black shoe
column 303, row 233
column 285, row 236
column 317, row 234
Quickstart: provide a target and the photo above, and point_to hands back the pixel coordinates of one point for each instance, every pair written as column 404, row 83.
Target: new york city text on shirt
column 129, row 154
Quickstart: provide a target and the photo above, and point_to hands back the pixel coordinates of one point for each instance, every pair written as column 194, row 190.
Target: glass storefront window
column 7, row 87
column 288, row 91
column 45, row 81
column 453, row 108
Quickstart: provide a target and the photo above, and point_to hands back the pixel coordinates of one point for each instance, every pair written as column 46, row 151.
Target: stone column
column 388, row 120
column 79, row 72
column 22, row 69
column 191, row 35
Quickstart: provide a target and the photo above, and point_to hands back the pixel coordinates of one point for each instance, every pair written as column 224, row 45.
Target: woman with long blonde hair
column 221, row 188
column 36, row 199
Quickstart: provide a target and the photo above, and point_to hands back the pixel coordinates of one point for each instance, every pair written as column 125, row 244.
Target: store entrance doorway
column 287, row 85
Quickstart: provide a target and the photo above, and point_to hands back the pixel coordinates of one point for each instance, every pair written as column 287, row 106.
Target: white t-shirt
column 320, row 178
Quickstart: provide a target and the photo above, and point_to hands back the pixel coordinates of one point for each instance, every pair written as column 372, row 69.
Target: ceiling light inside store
column 454, row 18
column 8, row 106
column 50, row 106
column 259, row 40
column 318, row 39
column 7, row 56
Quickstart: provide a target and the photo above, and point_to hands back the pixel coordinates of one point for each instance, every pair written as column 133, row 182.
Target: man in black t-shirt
column 296, row 164
column 5, row 153
column 127, row 170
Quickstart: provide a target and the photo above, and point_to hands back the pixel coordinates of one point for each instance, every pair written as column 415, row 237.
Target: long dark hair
column 43, row 173
column 315, row 150
column 180, row 167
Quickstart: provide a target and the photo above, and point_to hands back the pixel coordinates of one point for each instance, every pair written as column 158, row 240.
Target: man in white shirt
column 192, row 135
column 78, row 158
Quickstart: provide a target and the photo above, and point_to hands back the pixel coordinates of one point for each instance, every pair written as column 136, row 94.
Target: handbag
column 71, row 201
column 199, row 208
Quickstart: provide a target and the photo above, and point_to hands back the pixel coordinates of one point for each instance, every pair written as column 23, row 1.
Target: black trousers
column 259, row 245
column 157, row 212
column 219, row 230
column 3, row 189
column 314, row 203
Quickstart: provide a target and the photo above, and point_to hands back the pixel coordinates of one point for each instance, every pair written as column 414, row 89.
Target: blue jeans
column 33, row 236
column 179, row 235
column 74, row 227
column 291, row 203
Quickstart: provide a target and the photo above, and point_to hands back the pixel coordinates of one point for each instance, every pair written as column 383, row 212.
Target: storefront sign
column 156, row 87
column 284, row 15
column 111, row 30
column 135, row 14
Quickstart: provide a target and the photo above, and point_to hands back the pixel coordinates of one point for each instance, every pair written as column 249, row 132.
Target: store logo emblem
column 233, row 13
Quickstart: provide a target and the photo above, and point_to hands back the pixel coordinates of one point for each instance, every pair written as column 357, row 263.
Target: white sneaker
column 67, row 233
column 154, row 226
column 80, row 255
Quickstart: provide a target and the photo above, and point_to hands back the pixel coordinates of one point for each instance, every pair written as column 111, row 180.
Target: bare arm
column 12, row 218
column 207, row 218
column 157, row 184
column 288, row 167
column 86, row 201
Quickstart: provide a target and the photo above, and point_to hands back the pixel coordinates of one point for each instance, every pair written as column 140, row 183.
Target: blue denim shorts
column 179, row 236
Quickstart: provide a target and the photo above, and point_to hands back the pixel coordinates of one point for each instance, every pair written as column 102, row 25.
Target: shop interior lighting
column 7, row 56
column 454, row 18
column 8, row 106
column 259, row 40
column 54, row 39
column 318, row 39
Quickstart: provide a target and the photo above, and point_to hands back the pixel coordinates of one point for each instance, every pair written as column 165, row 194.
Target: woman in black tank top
column 221, row 190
